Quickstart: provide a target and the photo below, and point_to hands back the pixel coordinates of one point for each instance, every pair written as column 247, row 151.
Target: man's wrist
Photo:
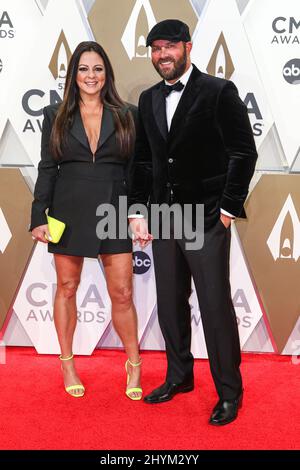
column 223, row 212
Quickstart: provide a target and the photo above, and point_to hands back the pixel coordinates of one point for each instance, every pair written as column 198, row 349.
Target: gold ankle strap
column 66, row 358
column 135, row 364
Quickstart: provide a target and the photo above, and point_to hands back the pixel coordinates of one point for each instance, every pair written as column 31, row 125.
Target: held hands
column 40, row 233
column 139, row 228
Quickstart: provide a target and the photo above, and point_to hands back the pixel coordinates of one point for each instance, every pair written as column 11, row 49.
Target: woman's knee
column 121, row 295
column 68, row 288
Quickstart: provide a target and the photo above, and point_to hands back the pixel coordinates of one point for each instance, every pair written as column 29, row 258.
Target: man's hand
column 139, row 228
column 40, row 233
column 225, row 220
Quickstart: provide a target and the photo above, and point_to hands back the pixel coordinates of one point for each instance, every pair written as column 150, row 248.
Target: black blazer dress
column 75, row 185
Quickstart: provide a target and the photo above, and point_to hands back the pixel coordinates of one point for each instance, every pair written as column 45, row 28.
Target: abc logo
column 291, row 71
column 141, row 262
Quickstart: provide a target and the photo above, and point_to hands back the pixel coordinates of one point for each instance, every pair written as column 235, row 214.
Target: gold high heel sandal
column 72, row 387
column 133, row 389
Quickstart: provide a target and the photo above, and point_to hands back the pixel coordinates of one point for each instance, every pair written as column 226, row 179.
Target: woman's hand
column 139, row 228
column 40, row 233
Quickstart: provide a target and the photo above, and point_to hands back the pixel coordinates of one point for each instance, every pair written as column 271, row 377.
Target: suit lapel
column 107, row 128
column 159, row 111
column 188, row 98
column 77, row 129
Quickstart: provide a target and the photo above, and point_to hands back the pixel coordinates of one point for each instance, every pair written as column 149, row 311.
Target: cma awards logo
column 221, row 65
column 6, row 27
column 141, row 262
column 5, row 233
column 59, row 61
column 284, row 240
column 140, row 22
column 291, row 72
column 286, row 30
column 91, row 308
column 58, row 67
column 244, row 316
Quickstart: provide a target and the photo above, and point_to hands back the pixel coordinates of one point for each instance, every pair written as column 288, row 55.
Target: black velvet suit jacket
column 207, row 157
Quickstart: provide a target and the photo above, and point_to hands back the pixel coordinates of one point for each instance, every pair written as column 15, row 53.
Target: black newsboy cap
column 171, row 30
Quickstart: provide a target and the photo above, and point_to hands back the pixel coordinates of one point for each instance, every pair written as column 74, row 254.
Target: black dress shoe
column 167, row 391
column 226, row 411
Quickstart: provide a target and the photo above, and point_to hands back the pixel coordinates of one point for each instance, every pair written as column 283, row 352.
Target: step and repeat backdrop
column 254, row 43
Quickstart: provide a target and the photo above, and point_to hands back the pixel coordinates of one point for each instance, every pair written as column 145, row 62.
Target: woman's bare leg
column 118, row 272
column 68, row 270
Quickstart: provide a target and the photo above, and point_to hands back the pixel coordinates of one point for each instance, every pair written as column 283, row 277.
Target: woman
column 86, row 144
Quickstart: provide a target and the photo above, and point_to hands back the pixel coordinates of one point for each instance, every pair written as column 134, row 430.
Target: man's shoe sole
column 223, row 422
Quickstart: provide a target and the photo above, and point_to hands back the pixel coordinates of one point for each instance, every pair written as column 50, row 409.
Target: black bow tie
column 167, row 89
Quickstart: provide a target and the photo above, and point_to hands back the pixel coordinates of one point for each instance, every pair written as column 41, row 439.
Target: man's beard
column 177, row 71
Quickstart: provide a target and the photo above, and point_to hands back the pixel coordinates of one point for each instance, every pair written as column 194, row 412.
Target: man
column 194, row 145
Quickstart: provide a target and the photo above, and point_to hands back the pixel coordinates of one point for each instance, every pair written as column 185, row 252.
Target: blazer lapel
column 107, row 126
column 159, row 111
column 77, row 130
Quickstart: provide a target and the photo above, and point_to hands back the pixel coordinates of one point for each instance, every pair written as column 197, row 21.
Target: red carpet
column 36, row 413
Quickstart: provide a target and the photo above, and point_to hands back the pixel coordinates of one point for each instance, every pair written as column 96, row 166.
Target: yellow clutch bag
column 56, row 228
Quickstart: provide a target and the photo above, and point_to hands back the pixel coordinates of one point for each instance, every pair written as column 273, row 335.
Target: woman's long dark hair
column 125, row 130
